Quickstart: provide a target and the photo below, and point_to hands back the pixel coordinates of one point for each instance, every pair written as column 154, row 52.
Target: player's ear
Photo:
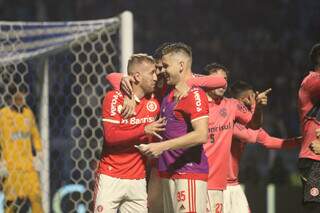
column 137, row 77
column 181, row 66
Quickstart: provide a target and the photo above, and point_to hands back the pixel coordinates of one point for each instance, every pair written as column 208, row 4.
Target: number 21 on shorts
column 219, row 207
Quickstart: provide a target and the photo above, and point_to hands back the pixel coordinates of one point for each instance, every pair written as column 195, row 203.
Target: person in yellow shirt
column 18, row 136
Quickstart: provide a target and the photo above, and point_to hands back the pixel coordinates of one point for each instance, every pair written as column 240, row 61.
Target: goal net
column 59, row 69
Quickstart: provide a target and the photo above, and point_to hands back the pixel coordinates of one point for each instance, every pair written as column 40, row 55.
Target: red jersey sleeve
column 276, row 143
column 242, row 114
column 244, row 134
column 196, row 104
column 312, row 86
column 111, row 107
column 114, row 79
column 114, row 133
column 208, row 82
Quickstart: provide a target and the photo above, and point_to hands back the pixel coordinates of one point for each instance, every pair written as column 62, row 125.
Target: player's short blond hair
column 138, row 59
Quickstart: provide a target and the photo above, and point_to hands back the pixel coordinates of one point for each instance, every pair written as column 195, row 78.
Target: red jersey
column 119, row 157
column 242, row 135
column 309, row 111
column 185, row 163
column 222, row 116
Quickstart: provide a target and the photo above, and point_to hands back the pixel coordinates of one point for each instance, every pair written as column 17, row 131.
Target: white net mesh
column 78, row 55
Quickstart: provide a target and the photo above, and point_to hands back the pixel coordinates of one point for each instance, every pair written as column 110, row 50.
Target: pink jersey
column 222, row 116
column 242, row 135
column 309, row 111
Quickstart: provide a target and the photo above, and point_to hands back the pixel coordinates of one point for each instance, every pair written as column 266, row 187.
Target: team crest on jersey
column 151, row 106
column 314, row 192
column 223, row 112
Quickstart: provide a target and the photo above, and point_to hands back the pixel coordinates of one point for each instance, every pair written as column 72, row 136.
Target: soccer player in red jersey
column 182, row 164
column 154, row 185
column 309, row 112
column 120, row 183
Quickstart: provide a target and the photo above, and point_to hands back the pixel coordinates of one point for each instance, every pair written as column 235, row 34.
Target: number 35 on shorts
column 181, row 196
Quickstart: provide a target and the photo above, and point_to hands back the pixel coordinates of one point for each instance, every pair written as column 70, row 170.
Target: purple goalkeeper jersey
column 187, row 162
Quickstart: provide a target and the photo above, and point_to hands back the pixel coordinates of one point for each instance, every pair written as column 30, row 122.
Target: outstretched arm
column 247, row 135
column 207, row 82
column 277, row 143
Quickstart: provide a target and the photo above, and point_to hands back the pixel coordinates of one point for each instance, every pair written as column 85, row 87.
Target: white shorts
column 215, row 201
column 184, row 195
column 234, row 200
column 127, row 195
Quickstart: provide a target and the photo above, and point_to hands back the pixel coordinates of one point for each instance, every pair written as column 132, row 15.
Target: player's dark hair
column 315, row 56
column 177, row 47
column 157, row 55
column 214, row 67
column 239, row 87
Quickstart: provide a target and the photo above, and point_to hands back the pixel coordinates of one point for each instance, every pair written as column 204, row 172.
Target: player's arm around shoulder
column 208, row 82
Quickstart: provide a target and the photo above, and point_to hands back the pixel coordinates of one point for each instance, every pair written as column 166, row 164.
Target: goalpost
column 63, row 65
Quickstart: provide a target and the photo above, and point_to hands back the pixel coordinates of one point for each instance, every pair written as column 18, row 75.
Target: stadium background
column 263, row 42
